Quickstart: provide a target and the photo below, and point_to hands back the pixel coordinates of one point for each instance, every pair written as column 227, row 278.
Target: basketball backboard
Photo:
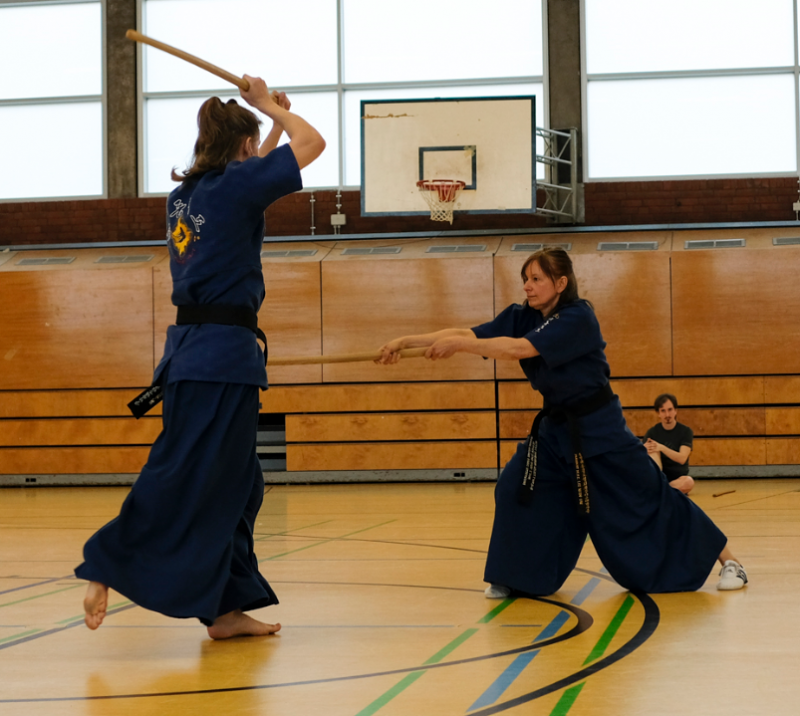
column 489, row 143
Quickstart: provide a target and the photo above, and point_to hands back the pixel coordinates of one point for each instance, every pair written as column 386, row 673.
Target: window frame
column 102, row 98
column 340, row 88
column 684, row 74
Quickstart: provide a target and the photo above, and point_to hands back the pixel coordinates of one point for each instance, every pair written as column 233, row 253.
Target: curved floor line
column 584, row 622
column 652, row 616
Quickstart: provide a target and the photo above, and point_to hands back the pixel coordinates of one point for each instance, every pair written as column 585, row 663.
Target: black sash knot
column 559, row 414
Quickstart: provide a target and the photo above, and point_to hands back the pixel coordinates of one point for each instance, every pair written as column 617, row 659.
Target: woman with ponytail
column 182, row 544
column 581, row 471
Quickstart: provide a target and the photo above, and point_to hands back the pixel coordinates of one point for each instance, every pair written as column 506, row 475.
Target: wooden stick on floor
column 342, row 357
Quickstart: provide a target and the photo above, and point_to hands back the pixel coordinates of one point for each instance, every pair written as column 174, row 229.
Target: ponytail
column 221, row 130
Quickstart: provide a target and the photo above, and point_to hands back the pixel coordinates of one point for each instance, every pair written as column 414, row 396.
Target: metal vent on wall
column 374, row 250
column 290, row 254
column 124, row 259
column 46, row 261
column 786, row 241
column 457, row 249
column 530, row 248
column 627, row 246
column 713, row 243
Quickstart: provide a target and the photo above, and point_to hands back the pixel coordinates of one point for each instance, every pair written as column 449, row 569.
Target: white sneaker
column 732, row 576
column 497, row 591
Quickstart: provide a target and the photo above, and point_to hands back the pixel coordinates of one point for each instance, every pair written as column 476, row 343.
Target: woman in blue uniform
column 182, row 544
column 581, row 471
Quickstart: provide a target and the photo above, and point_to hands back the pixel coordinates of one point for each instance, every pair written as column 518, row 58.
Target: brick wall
column 613, row 203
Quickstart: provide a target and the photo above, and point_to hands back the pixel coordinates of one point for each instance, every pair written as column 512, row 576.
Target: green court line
column 499, row 608
column 108, row 609
column 404, row 683
column 610, row 631
column 398, row 688
column 567, row 700
column 39, row 596
column 452, row 646
column 296, row 529
column 317, row 544
column 20, row 635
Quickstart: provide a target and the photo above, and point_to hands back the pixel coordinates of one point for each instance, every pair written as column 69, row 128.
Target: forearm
column 501, row 348
column 673, row 455
column 424, row 340
column 270, row 141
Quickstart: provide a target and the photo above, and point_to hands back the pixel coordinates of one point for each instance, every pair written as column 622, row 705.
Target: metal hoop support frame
column 441, row 196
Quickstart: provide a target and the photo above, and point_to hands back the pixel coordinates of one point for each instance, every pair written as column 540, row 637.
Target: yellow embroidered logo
column 182, row 237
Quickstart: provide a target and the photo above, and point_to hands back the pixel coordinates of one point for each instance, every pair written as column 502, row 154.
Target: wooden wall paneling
column 729, row 451
column 783, row 451
column 369, row 300
column 705, row 421
column 783, row 421
column 79, row 431
column 392, row 456
column 518, row 395
column 714, row 390
column 85, row 259
column 756, row 238
column 379, row 397
column 7, row 255
column 163, row 310
column 736, row 311
column 377, row 427
column 629, row 290
column 75, row 328
column 782, row 389
column 68, row 403
column 291, row 315
column 507, row 450
column 72, row 460
column 516, row 423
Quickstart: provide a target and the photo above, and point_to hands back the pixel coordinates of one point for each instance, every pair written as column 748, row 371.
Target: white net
column 441, row 196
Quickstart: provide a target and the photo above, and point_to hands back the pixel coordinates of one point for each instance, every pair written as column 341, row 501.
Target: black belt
column 560, row 414
column 198, row 315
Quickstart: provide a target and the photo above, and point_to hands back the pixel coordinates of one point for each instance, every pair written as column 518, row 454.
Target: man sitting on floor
column 669, row 443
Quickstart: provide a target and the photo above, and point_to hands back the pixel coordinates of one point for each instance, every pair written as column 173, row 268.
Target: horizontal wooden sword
column 342, row 357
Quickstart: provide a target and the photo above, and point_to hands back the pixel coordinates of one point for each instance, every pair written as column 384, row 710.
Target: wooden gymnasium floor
column 383, row 613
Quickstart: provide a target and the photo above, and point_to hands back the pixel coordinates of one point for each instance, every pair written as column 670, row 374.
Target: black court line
column 584, row 622
column 652, row 616
column 36, row 584
column 56, row 630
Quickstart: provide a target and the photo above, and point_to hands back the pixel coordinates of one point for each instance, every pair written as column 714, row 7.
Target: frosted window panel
column 321, row 110
column 171, row 131
column 637, row 36
column 441, row 40
column 51, row 51
column 35, row 165
column 286, row 43
column 685, row 127
column 352, row 114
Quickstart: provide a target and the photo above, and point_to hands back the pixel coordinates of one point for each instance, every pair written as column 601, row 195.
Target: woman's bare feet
column 237, row 623
column 95, row 604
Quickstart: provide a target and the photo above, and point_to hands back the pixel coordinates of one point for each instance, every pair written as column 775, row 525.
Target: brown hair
column 663, row 398
column 222, row 129
column 555, row 263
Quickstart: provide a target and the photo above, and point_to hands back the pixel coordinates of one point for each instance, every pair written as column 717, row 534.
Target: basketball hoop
column 441, row 195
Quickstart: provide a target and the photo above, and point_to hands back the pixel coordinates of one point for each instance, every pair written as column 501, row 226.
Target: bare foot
column 95, row 604
column 237, row 623
column 683, row 483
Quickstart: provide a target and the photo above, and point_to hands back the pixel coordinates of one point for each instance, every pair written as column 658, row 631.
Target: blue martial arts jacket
column 571, row 367
column 215, row 232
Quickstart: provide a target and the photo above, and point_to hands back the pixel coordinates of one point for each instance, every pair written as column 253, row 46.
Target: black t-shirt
column 673, row 439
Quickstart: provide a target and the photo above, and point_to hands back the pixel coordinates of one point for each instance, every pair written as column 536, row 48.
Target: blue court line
column 502, row 682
